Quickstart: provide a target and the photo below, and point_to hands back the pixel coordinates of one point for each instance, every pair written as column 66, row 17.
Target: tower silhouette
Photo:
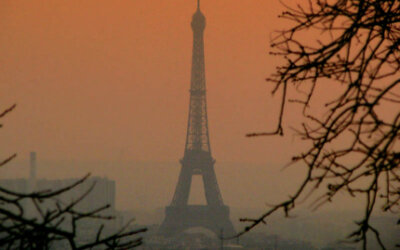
column 197, row 159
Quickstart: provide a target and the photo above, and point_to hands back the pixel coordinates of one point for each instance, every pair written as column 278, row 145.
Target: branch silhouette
column 355, row 142
column 51, row 222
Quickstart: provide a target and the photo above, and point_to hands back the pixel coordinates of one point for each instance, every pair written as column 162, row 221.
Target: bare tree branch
column 50, row 222
column 355, row 134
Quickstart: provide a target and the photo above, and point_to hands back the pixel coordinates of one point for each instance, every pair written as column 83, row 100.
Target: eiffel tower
column 197, row 159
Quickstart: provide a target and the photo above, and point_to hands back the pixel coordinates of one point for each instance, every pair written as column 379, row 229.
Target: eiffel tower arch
column 197, row 159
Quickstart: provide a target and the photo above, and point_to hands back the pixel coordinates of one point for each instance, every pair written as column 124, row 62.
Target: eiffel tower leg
column 211, row 189
column 182, row 190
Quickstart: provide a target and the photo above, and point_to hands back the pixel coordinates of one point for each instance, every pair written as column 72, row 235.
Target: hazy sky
column 102, row 87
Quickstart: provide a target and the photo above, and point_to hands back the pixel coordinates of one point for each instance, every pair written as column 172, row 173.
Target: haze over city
column 102, row 87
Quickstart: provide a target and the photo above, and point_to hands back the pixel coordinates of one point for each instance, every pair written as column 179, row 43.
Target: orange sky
column 107, row 82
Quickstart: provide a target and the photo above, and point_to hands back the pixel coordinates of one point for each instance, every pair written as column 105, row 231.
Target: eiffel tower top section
column 198, row 20
column 197, row 139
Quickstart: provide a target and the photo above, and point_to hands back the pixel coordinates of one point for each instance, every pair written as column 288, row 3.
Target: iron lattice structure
column 197, row 159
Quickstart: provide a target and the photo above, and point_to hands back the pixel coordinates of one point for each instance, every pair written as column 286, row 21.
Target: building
column 90, row 195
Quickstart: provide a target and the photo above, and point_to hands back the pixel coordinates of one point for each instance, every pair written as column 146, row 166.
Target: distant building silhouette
column 102, row 193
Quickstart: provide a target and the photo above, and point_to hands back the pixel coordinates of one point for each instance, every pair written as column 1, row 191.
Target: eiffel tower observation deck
column 197, row 159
